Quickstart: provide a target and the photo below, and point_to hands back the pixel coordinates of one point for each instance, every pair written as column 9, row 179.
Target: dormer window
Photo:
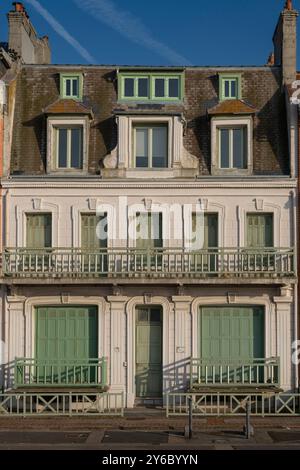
column 71, row 86
column 151, row 87
column 230, row 87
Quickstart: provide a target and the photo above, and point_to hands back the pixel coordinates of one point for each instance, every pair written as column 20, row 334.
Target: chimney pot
column 19, row 7
column 289, row 5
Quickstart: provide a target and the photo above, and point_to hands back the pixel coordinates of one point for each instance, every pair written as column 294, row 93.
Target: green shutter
column 231, row 333
column 89, row 238
column 149, row 230
column 39, row 230
column 149, row 352
column 260, row 230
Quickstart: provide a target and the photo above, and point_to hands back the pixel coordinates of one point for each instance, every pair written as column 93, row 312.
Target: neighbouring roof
column 232, row 107
column 67, row 106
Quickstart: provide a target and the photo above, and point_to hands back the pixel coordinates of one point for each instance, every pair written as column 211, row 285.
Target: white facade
column 180, row 299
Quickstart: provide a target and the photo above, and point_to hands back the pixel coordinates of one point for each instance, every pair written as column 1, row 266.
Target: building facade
column 150, row 227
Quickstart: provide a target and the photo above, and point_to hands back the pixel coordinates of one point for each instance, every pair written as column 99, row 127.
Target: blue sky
column 136, row 32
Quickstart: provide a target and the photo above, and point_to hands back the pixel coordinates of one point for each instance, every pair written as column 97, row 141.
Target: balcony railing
column 244, row 372
column 38, row 373
column 156, row 262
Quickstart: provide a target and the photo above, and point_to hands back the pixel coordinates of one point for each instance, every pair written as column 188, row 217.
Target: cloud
column 59, row 29
column 129, row 26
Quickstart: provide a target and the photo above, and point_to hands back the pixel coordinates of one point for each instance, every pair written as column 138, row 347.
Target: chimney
column 284, row 40
column 23, row 39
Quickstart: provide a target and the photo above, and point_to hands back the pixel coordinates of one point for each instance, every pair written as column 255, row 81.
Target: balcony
column 33, row 373
column 248, row 373
column 109, row 265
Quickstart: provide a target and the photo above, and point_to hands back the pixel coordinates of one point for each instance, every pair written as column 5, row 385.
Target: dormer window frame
column 230, row 78
column 54, row 123
column 231, row 122
column 64, row 77
column 151, row 95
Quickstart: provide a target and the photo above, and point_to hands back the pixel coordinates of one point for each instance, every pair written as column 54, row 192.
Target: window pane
column 224, row 148
column 62, row 147
column 141, row 151
column 143, row 87
column 226, row 89
column 129, row 87
column 159, row 87
column 159, row 147
column 233, row 89
column 173, row 88
column 75, row 87
column 239, row 148
column 76, row 148
column 68, row 87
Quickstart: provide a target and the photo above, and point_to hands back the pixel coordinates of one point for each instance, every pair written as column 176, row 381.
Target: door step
column 148, row 402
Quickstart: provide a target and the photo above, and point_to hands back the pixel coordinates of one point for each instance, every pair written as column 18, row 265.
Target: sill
column 144, row 174
column 231, row 172
column 145, row 101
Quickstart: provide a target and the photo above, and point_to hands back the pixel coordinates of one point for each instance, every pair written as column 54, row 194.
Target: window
column 38, row 231
column 150, row 146
column 71, row 86
column 260, row 230
column 233, row 147
column 152, row 87
column 230, row 87
column 69, row 148
column 93, row 231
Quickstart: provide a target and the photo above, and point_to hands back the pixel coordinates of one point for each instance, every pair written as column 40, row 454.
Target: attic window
column 151, row 87
column 230, row 87
column 71, row 86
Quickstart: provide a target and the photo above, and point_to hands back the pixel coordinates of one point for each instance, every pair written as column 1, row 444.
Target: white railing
column 156, row 262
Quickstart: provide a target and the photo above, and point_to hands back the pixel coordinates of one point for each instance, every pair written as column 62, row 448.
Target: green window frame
column 71, row 86
column 68, row 147
column 146, row 87
column 233, row 147
column 230, row 87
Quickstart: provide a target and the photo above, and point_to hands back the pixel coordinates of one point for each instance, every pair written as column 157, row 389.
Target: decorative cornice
column 101, row 184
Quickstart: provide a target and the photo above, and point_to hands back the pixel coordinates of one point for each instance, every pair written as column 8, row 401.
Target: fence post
column 249, row 432
column 189, row 429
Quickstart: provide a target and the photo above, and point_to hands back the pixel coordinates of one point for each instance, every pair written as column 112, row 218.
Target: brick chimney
column 284, row 40
column 23, row 39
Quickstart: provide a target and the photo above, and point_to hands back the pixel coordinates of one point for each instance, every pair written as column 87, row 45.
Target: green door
column 93, row 246
column 66, row 334
column 231, row 333
column 149, row 352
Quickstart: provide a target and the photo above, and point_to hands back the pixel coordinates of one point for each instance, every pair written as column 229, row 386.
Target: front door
column 66, row 335
column 148, row 370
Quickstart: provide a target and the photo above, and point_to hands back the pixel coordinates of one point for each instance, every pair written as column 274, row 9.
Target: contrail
column 59, row 29
column 129, row 26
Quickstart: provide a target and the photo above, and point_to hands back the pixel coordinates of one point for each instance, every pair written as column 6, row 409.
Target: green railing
column 38, row 373
column 248, row 372
column 154, row 262
column 227, row 404
column 61, row 404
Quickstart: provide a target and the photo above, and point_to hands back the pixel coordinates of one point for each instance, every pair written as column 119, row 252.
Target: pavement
column 145, row 430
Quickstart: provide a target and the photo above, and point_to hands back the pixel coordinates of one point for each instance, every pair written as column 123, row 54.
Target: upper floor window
column 150, row 87
column 71, row 86
column 69, row 149
column 230, row 87
column 150, row 146
column 38, row 230
column 233, row 147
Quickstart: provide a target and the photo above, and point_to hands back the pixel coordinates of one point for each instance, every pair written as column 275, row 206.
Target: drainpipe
column 2, row 311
